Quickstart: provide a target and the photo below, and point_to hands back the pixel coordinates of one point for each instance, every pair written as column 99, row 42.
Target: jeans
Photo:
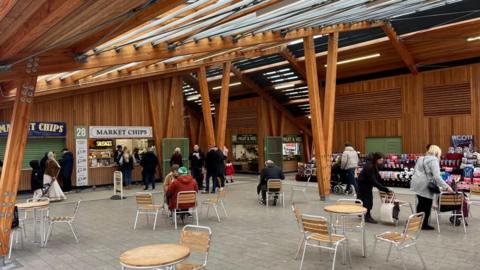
column 149, row 177
column 197, row 175
column 350, row 177
column 424, row 205
column 214, row 181
column 127, row 177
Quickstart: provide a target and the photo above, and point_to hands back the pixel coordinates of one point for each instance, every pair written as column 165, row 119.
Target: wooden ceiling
column 188, row 34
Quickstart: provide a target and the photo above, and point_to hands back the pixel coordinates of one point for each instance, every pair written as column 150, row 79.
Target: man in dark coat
column 271, row 171
column 149, row 163
column 211, row 164
column 370, row 177
column 36, row 179
column 66, row 168
column 221, row 167
column 197, row 162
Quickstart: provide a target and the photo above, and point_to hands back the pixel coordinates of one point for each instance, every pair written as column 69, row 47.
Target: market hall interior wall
column 415, row 129
column 124, row 105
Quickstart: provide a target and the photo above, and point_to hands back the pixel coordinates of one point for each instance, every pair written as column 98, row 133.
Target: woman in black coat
column 370, row 177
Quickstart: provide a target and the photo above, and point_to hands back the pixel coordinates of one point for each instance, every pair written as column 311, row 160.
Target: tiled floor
column 251, row 238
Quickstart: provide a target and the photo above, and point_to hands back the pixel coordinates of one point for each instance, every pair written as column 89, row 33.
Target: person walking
column 220, row 168
column 176, row 157
column 271, row 171
column 126, row 163
column 211, row 163
column 349, row 163
column 50, row 177
column 370, row 177
column 149, row 163
column 197, row 163
column 427, row 170
column 66, row 164
column 229, row 171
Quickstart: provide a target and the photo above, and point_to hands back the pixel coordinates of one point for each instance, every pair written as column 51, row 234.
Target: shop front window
column 292, row 148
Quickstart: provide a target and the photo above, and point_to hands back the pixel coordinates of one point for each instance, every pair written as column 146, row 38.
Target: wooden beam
column 16, row 142
column 297, row 101
column 207, row 113
column 330, row 87
column 65, row 62
column 261, row 92
column 272, row 119
column 154, row 106
column 316, row 116
column 292, row 60
column 400, row 47
column 49, row 14
column 281, row 128
column 223, row 108
column 306, row 148
column 174, row 84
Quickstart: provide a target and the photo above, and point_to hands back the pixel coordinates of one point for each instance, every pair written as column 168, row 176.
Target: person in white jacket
column 349, row 165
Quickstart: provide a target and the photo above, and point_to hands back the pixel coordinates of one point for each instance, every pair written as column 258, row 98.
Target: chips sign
column 115, row 132
column 39, row 129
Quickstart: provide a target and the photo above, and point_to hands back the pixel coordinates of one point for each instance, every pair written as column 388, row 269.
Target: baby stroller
column 338, row 181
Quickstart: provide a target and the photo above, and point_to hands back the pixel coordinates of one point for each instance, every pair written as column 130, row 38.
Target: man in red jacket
column 184, row 182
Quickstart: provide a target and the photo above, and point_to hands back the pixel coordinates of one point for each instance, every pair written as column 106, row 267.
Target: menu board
column 81, row 151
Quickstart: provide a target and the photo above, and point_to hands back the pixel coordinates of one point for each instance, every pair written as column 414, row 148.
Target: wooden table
column 349, row 210
column 38, row 206
column 154, row 256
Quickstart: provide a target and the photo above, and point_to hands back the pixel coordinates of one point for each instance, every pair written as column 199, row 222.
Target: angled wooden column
column 223, row 107
column 281, row 126
column 154, row 107
column 171, row 104
column 207, row 113
column 272, row 120
column 306, row 148
column 330, row 87
column 316, row 116
column 16, row 141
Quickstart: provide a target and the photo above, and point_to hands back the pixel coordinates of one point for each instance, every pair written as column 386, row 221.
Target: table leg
column 35, row 225
column 364, row 244
column 42, row 229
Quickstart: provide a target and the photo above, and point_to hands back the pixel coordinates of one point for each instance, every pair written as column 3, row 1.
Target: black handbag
column 432, row 186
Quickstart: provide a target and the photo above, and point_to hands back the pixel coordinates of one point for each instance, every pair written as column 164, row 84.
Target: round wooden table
column 349, row 210
column 154, row 256
column 38, row 206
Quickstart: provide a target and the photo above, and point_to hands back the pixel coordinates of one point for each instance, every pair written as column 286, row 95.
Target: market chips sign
column 39, row 129
column 115, row 132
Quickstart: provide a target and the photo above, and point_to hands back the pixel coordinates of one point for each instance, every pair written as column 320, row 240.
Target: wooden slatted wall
column 450, row 99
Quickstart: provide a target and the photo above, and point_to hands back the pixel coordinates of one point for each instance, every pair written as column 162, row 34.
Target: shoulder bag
column 432, row 186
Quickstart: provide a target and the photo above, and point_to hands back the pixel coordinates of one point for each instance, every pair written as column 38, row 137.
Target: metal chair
column 405, row 239
column 63, row 219
column 146, row 206
column 384, row 196
column 298, row 218
column 350, row 222
column 450, row 204
column 317, row 230
column 274, row 188
column 197, row 239
column 302, row 188
column 186, row 197
column 215, row 202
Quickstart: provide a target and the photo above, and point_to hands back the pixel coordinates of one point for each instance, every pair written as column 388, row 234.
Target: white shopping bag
column 386, row 211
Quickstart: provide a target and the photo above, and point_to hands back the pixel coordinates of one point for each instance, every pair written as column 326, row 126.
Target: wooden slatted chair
column 186, row 197
column 351, row 223
column 303, row 187
column 316, row 231
column 274, row 188
column 52, row 220
column 216, row 202
column 405, row 239
column 298, row 218
column 450, row 204
column 197, row 239
column 146, row 206
column 390, row 197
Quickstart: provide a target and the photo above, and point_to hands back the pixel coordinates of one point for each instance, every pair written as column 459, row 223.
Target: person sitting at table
column 169, row 178
column 271, row 171
column 370, row 177
column 184, row 182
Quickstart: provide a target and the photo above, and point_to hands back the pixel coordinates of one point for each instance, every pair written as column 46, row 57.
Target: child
column 229, row 171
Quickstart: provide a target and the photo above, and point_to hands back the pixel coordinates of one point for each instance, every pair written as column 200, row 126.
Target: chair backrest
column 274, row 184
column 386, row 197
column 75, row 209
column 144, row 198
column 221, row 194
column 187, row 197
column 197, row 239
column 474, row 190
column 450, row 201
column 315, row 224
column 298, row 215
column 413, row 226
column 350, row 201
